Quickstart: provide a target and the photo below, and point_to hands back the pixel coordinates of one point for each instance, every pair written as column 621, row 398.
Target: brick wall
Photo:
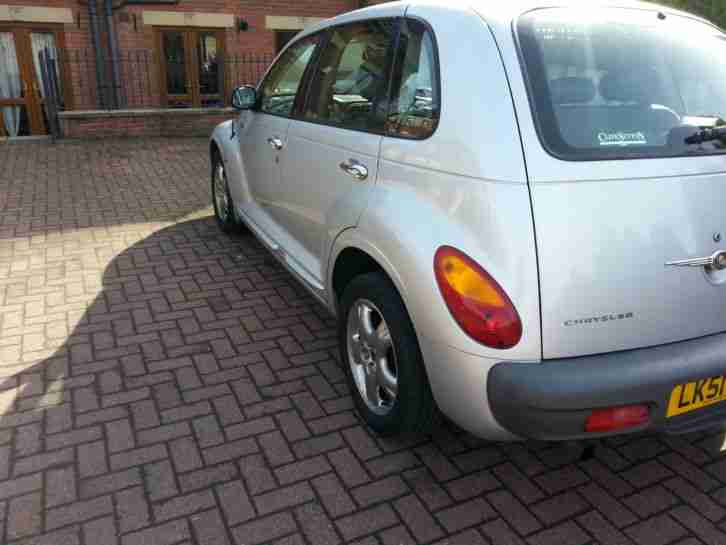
column 136, row 123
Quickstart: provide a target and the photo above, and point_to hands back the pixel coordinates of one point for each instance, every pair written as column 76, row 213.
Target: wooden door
column 192, row 67
column 22, row 106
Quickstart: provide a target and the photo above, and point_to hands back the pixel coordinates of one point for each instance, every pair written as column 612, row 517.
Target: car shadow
column 188, row 316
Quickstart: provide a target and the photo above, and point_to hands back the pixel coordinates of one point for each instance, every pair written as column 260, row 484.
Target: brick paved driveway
column 161, row 384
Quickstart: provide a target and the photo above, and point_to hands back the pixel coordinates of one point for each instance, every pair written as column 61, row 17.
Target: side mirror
column 244, row 98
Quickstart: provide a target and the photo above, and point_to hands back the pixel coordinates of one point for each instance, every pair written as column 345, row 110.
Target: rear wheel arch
column 350, row 263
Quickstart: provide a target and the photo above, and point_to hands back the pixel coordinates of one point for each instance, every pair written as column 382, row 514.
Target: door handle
column 354, row 169
column 275, row 143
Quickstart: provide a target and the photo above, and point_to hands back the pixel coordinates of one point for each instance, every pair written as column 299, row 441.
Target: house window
column 192, row 68
column 283, row 37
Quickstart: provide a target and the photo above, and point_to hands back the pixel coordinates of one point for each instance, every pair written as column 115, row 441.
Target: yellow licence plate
column 696, row 395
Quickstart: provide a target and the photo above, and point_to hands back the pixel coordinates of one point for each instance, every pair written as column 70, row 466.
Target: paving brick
column 21, row 485
column 366, row 522
column 606, row 533
column 235, row 502
column 164, row 534
column 207, row 431
column 316, row 525
column 264, row 529
column 567, row 533
column 499, row 533
column 426, row 488
column 27, row 440
column 392, row 463
column 207, row 477
column 120, row 435
column 110, row 482
column 257, row 475
column 186, row 412
column 138, row 456
column 703, row 528
column 275, row 448
column 472, row 485
column 228, row 410
column 160, row 480
column 185, row 454
column 100, row 531
column 229, row 451
column 39, row 462
column 560, row 507
column 60, row 486
column 422, row 525
column 283, row 498
column 209, row 528
column 657, row 530
column 100, row 416
column 251, row 427
column 299, row 471
column 611, row 508
column 132, row 509
column 513, row 511
column 184, row 505
column 292, row 426
column 24, row 516
column 650, row 501
column 379, row 491
column 78, row 512
column 348, row 467
column 333, row 495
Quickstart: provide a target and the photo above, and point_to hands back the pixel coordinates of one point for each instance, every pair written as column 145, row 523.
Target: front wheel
column 224, row 210
column 382, row 358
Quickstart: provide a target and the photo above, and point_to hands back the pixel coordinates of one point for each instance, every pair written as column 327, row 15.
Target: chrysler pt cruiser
column 515, row 210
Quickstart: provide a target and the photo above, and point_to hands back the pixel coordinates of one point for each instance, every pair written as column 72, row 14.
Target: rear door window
column 415, row 100
column 351, row 81
column 623, row 83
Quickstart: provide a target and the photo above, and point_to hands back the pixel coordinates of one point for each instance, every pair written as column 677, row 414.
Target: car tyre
column 224, row 209
column 382, row 358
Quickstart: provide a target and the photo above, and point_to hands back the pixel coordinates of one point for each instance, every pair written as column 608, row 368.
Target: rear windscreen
column 624, row 83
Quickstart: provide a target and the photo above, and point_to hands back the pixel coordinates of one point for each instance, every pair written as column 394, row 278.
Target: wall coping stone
column 145, row 112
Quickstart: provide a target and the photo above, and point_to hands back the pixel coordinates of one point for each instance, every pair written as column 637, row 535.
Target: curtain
column 10, row 83
column 39, row 42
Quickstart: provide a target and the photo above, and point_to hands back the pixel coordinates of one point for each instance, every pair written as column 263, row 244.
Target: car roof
column 494, row 11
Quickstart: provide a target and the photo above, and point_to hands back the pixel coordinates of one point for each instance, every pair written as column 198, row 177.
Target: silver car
column 515, row 209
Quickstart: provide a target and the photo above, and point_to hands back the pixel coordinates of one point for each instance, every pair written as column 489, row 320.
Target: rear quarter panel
column 465, row 186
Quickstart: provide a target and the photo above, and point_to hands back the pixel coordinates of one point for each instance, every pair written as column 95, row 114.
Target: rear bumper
column 552, row 400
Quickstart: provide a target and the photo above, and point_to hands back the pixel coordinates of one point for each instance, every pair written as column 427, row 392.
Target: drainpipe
column 96, row 42
column 113, row 51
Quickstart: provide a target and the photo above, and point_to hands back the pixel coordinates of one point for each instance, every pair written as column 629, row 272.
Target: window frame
column 191, row 65
column 390, row 57
column 302, row 88
column 435, row 73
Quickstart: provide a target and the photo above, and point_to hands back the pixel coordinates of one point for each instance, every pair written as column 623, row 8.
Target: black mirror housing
column 244, row 97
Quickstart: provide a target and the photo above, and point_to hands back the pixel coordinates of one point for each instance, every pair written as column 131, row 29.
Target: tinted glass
column 609, row 83
column 352, row 77
column 176, row 68
column 415, row 102
column 210, row 75
column 281, row 85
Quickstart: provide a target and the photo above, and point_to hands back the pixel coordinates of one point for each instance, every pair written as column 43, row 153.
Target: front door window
column 192, row 68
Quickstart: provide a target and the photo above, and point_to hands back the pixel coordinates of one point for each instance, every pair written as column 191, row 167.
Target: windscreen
column 624, row 83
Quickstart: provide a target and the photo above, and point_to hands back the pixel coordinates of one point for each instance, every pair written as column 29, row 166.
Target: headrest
column 628, row 87
column 572, row 90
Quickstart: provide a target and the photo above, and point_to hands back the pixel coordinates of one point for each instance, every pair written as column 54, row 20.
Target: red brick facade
column 250, row 30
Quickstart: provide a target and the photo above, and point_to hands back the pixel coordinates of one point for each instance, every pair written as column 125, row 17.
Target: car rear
column 621, row 113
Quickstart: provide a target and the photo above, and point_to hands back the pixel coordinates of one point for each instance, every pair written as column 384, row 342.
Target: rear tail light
column 478, row 304
column 617, row 418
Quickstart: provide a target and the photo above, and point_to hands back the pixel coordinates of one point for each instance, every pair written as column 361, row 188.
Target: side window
column 351, row 81
column 281, row 84
column 415, row 100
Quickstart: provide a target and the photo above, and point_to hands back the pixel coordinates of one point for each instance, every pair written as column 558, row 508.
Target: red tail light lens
column 617, row 418
column 475, row 300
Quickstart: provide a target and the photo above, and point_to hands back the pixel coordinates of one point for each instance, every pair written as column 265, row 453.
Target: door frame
column 34, row 101
column 191, row 63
